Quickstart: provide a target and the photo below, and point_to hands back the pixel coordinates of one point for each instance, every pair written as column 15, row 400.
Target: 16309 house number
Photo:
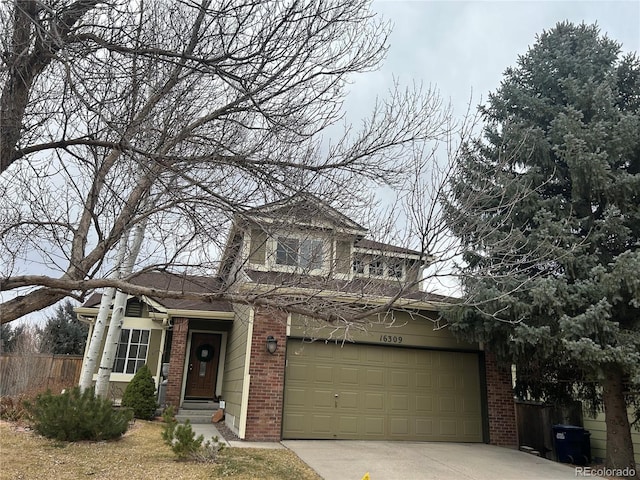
column 391, row 338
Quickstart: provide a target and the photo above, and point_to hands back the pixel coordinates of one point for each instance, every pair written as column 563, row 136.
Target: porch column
column 266, row 389
column 502, row 409
column 176, row 361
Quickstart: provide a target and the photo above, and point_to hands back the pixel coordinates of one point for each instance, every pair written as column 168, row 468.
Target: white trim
column 215, row 315
column 288, row 334
column 223, row 341
column 163, row 337
column 272, row 253
column 246, row 380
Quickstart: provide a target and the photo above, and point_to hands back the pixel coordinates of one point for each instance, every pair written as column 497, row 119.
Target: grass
column 139, row 454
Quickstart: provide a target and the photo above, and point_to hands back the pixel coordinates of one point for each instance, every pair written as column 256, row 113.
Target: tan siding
column 153, row 355
column 154, row 352
column 343, row 256
column 116, row 389
column 235, row 362
column 397, row 329
column 598, row 430
column 258, row 248
column 413, row 269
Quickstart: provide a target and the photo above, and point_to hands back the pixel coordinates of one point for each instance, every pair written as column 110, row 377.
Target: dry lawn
column 139, row 454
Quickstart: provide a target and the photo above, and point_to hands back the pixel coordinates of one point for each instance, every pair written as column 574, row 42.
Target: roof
column 303, row 208
column 384, row 247
column 177, row 282
column 366, row 287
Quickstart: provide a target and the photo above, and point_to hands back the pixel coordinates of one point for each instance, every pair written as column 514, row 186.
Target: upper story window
column 376, row 267
column 304, row 253
column 395, row 268
column 358, row 265
column 383, row 267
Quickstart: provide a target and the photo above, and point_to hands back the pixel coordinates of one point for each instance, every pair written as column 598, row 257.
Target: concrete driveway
column 350, row 460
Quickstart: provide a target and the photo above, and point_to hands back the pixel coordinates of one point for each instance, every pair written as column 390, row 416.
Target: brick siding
column 500, row 404
column 176, row 361
column 266, row 389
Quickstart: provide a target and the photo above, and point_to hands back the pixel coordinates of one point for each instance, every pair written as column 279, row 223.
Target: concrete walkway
column 351, row 460
column 209, row 430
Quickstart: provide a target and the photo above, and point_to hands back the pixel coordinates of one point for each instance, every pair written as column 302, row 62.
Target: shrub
column 184, row 443
column 75, row 415
column 13, row 409
column 140, row 394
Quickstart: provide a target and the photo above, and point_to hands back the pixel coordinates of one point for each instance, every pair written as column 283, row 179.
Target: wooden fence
column 33, row 373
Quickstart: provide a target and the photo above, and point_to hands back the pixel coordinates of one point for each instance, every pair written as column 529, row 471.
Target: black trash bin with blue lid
column 572, row 444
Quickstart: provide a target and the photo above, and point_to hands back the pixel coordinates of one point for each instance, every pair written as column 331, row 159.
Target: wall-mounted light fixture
column 272, row 344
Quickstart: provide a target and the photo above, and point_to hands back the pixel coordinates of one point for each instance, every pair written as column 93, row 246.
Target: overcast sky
column 462, row 46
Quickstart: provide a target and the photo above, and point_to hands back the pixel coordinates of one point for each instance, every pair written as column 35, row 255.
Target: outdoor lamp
column 272, row 344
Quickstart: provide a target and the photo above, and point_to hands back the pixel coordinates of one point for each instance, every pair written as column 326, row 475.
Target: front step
column 198, row 412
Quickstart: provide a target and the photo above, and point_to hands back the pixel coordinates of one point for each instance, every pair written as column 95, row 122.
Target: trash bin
column 572, row 444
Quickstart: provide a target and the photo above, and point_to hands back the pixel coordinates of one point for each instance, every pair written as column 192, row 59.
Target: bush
column 184, row 443
column 140, row 394
column 13, row 409
column 76, row 415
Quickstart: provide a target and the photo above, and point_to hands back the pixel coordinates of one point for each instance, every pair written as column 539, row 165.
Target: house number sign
column 391, row 338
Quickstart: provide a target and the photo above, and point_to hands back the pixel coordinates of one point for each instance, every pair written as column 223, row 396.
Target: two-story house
column 303, row 368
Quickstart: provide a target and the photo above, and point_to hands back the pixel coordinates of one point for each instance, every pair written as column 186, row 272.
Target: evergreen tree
column 10, row 337
column 63, row 333
column 556, row 286
column 140, row 394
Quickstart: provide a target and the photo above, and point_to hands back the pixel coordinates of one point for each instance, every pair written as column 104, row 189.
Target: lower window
column 132, row 350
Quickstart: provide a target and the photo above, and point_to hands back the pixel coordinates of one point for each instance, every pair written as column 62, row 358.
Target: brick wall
column 176, row 361
column 500, row 404
column 266, row 390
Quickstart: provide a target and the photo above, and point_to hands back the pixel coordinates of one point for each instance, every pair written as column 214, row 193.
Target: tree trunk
column 91, row 359
column 93, row 351
column 111, row 344
column 117, row 315
column 619, row 444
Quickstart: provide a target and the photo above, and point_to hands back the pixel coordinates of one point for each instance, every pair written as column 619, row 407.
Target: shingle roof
column 177, row 282
column 303, row 208
column 367, row 287
column 384, row 247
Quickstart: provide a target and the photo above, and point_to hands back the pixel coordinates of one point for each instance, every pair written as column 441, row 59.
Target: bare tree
column 180, row 115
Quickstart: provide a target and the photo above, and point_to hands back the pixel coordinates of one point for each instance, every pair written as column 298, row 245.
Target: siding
column 235, row 363
column 399, row 329
column 154, row 352
column 258, row 248
column 598, row 430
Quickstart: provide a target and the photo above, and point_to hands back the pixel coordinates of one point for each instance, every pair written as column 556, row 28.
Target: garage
column 377, row 392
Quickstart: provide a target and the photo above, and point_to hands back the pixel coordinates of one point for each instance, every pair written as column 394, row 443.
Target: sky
column 462, row 48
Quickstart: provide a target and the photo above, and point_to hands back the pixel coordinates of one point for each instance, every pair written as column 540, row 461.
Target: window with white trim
column 395, row 268
column 132, row 350
column 305, row 253
column 376, row 268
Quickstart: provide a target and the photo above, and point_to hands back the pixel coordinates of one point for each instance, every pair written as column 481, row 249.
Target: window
column 132, row 350
column 376, row 267
column 395, row 268
column 305, row 253
column 358, row 265
column 287, row 251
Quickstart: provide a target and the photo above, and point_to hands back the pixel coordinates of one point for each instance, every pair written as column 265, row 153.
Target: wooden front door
column 202, row 373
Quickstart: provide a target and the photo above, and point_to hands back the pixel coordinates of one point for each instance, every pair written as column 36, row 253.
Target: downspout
column 246, row 381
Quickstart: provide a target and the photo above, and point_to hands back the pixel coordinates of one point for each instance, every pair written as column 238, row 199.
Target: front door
column 202, row 373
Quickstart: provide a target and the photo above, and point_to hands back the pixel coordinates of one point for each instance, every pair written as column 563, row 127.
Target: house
column 284, row 374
